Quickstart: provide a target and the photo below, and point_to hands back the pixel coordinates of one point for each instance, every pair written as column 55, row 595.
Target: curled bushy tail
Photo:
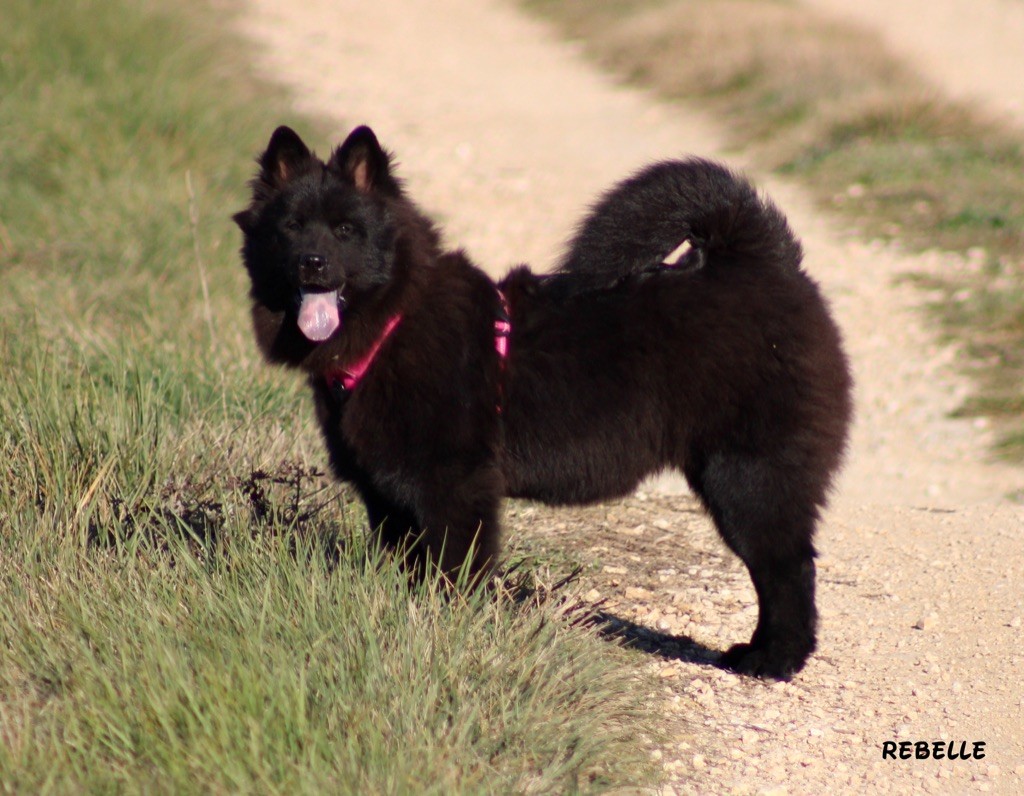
column 692, row 213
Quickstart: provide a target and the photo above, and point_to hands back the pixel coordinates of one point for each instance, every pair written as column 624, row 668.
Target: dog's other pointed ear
column 285, row 157
column 363, row 161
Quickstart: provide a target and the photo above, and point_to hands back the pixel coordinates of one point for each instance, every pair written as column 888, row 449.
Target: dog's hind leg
column 765, row 515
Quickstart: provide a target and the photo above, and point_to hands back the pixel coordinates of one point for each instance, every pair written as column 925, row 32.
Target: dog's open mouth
column 319, row 313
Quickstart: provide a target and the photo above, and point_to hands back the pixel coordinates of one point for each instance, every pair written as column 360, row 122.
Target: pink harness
column 348, row 378
column 502, row 329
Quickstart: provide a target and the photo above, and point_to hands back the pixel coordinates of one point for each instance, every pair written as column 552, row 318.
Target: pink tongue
column 318, row 315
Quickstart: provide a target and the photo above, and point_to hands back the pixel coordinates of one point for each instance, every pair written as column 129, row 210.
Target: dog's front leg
column 459, row 518
column 394, row 525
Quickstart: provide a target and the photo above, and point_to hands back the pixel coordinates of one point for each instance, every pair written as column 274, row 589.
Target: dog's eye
column 293, row 225
column 345, row 229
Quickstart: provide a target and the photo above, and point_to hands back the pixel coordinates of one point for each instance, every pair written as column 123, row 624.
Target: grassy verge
column 169, row 663
column 826, row 104
column 180, row 611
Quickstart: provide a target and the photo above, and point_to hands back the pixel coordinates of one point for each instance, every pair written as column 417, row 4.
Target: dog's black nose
column 314, row 262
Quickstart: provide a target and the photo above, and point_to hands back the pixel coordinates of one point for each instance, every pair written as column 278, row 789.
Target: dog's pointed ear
column 285, row 157
column 363, row 161
column 246, row 219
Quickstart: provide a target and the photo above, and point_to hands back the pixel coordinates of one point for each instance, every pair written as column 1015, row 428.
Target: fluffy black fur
column 725, row 366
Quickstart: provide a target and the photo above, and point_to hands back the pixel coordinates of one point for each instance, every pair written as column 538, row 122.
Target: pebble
column 639, row 594
column 927, row 622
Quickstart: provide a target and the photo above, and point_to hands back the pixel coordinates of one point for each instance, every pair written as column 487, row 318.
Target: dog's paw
column 759, row 661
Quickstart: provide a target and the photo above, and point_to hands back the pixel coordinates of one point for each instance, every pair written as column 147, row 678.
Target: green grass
column 827, row 104
column 258, row 664
column 186, row 603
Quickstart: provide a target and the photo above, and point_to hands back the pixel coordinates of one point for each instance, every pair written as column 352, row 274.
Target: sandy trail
column 971, row 49
column 505, row 134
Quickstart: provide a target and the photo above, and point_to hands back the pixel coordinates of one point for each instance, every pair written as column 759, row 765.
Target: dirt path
column 973, row 49
column 506, row 134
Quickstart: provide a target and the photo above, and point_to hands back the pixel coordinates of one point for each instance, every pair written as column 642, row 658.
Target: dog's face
column 318, row 236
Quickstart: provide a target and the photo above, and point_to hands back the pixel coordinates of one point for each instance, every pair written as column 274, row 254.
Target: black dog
column 439, row 392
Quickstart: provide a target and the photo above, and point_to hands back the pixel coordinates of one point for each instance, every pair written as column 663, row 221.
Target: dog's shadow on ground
column 653, row 642
column 611, row 627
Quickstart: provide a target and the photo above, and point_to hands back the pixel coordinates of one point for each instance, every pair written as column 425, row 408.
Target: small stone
column 699, row 762
column 926, row 622
column 637, row 593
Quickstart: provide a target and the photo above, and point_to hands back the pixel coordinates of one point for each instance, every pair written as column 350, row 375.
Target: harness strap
column 348, row 377
column 502, row 329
